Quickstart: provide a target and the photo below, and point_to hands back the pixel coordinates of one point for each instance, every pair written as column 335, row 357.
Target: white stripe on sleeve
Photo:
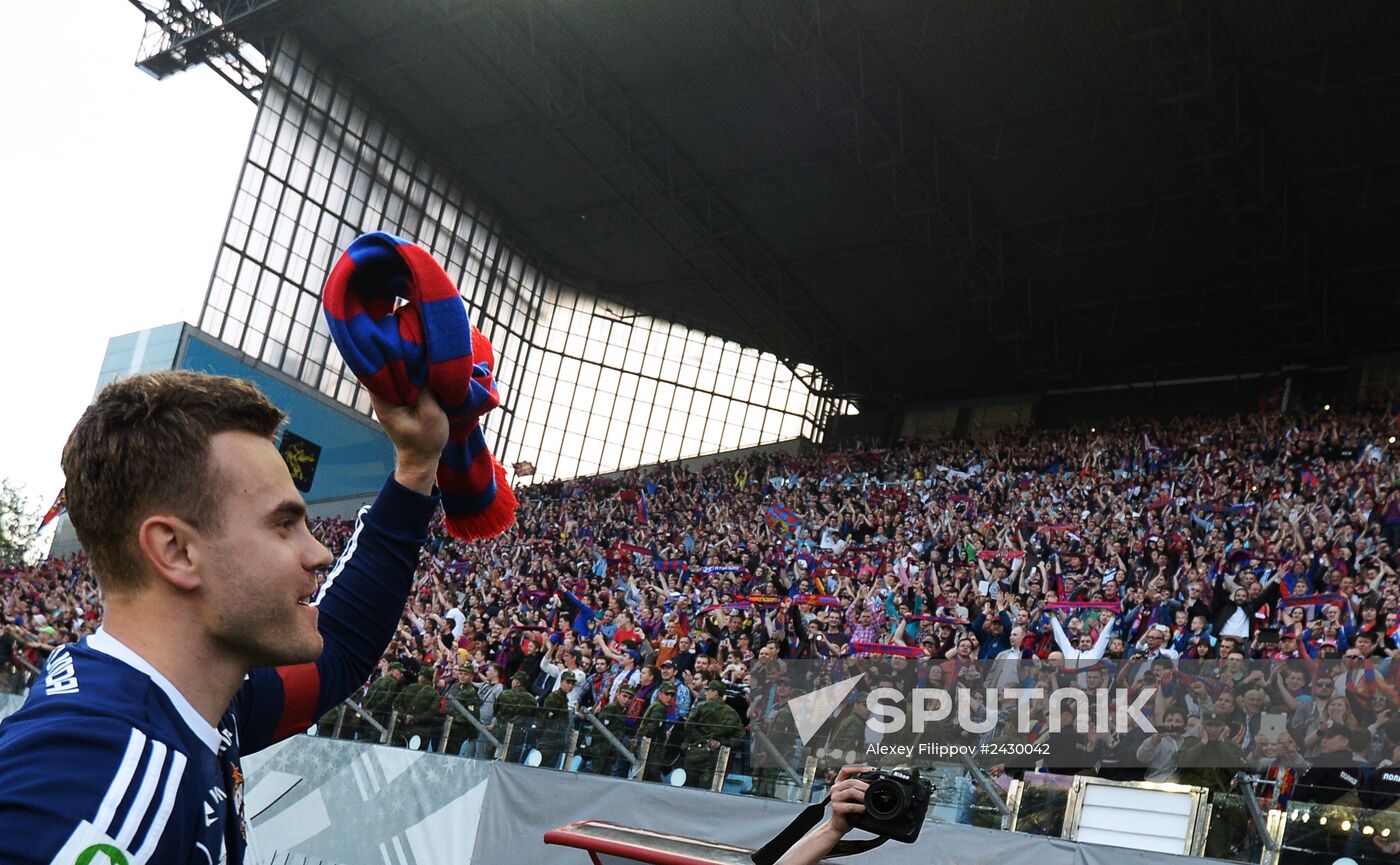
column 344, row 557
column 167, row 804
column 126, row 771
column 136, row 814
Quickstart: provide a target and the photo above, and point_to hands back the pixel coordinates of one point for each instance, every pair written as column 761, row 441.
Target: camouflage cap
column 668, row 688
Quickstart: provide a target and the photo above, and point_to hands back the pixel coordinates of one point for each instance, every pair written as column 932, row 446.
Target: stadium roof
column 928, row 198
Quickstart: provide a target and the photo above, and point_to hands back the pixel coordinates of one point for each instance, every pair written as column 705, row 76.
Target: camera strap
column 804, row 822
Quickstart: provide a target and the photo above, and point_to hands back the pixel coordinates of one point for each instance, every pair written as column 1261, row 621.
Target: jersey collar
column 103, row 642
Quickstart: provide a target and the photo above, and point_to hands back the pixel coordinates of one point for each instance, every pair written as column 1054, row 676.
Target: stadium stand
column 641, row 570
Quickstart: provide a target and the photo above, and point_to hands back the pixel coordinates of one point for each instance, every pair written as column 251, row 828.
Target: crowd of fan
column 644, row 601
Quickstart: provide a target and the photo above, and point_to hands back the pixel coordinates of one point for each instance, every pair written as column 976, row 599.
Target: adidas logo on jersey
column 61, row 677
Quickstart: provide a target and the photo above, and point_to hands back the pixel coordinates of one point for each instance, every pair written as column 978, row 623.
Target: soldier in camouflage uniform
column 379, row 700
column 326, row 725
column 517, row 706
column 660, row 723
column 712, row 724
column 418, row 706
column 781, row 730
column 1212, row 761
column 603, row 757
column 848, row 741
column 463, row 691
column 555, row 719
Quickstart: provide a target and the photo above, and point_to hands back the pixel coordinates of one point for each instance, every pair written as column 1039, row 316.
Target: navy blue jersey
column 107, row 758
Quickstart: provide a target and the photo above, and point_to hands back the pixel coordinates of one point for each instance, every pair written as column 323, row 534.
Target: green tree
column 18, row 521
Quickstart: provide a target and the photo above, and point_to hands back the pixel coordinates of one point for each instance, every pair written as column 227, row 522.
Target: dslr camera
column 895, row 804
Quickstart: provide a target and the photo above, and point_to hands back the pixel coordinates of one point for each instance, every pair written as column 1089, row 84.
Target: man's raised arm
column 363, row 597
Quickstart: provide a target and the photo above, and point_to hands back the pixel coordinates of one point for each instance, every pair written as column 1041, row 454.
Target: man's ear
column 174, row 549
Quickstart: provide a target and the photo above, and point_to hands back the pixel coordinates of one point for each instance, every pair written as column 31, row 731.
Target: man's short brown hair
column 143, row 445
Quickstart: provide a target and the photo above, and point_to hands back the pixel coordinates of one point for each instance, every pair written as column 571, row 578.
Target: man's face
column 259, row 570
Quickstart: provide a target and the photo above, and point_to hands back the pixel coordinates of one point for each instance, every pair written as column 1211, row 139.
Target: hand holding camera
column 895, row 804
column 848, row 798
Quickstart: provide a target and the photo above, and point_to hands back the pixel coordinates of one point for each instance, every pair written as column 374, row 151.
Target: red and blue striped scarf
column 426, row 344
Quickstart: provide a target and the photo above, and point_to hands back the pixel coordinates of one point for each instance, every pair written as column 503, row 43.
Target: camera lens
column 884, row 799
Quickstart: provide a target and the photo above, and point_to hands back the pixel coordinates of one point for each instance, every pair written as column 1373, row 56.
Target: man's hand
column 419, row 434
column 847, row 798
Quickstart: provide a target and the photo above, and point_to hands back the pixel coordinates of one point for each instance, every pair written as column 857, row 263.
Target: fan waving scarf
column 427, row 343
